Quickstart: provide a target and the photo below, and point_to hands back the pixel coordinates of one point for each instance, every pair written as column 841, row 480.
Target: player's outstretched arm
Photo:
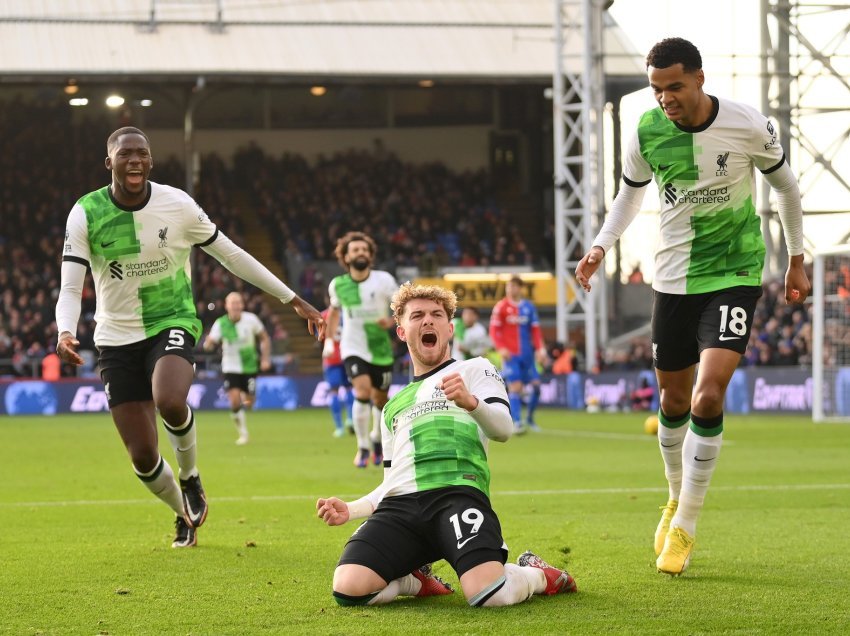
column 332, row 511
column 588, row 265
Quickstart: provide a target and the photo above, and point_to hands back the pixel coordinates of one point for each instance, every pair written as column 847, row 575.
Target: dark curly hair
column 342, row 246
column 672, row 51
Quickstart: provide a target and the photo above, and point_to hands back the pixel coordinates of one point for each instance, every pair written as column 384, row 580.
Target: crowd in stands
column 420, row 215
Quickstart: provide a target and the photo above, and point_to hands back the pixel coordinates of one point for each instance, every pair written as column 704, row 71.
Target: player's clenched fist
column 332, row 511
column 456, row 391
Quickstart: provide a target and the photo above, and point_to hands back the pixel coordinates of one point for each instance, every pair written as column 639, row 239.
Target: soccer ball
column 650, row 425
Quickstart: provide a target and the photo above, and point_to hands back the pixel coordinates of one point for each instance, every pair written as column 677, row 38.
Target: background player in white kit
column 434, row 501
column 702, row 152
column 363, row 295
column 136, row 235
column 239, row 332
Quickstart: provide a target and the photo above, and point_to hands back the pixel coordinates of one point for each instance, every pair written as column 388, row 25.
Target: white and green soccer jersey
column 238, row 343
column 139, row 260
column 430, row 442
column 710, row 233
column 363, row 304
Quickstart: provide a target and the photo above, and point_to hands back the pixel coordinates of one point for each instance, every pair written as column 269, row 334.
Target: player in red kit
column 515, row 332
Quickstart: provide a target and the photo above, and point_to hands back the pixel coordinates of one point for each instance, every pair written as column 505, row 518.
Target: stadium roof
column 494, row 40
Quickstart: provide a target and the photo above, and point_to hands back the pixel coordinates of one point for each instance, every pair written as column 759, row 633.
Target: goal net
column 831, row 335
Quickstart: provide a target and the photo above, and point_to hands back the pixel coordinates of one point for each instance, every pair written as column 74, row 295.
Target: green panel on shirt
column 448, row 452
column 168, row 303
column 228, row 329
column 669, row 151
column 248, row 356
column 112, row 231
column 380, row 346
column 348, row 291
column 401, row 401
column 728, row 247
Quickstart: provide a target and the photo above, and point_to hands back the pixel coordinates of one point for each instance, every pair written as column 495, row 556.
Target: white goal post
column 831, row 335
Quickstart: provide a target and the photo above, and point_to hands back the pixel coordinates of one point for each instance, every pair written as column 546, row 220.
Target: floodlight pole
column 577, row 115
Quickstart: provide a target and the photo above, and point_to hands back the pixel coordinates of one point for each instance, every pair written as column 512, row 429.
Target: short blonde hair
column 409, row 291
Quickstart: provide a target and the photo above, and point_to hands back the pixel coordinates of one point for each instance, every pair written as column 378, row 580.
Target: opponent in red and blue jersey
column 334, row 371
column 515, row 332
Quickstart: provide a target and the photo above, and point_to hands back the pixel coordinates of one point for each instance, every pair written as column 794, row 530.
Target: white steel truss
column 577, row 103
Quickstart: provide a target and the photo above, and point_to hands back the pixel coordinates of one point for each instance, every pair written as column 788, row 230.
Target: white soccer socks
column 183, row 440
column 671, row 434
column 160, row 481
column 699, row 459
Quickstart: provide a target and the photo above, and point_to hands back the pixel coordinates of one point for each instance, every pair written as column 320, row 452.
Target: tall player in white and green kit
column 702, row 152
column 136, row 236
column 362, row 296
column 434, row 501
column 239, row 332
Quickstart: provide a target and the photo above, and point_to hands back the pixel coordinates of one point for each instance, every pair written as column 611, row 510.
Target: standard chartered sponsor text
column 145, row 269
column 705, row 195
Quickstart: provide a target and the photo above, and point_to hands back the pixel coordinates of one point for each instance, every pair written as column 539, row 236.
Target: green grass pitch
column 86, row 549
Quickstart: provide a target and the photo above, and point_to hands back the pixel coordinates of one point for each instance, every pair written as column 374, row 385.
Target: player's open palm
column 455, row 389
column 332, row 511
column 67, row 351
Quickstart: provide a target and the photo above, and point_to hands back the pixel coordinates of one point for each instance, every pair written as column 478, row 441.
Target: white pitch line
column 628, row 437
column 500, row 493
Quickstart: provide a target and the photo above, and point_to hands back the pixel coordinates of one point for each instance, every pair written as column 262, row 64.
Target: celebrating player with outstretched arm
column 434, row 501
column 702, row 152
column 136, row 235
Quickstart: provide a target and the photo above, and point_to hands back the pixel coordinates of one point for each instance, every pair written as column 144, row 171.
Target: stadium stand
column 288, row 212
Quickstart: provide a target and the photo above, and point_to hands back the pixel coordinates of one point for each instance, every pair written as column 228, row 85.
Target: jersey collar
column 418, row 378
column 715, row 107
column 134, row 208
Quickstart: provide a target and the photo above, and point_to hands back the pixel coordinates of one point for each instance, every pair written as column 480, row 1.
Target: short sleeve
column 77, row 248
column 485, row 382
column 200, row 230
column 334, row 299
column 258, row 326
column 767, row 153
column 636, row 170
column 215, row 331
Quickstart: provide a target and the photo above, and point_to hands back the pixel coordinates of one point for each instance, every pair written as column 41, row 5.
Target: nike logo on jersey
column 667, row 167
column 460, row 544
column 697, row 459
column 109, row 244
column 170, row 347
column 725, row 338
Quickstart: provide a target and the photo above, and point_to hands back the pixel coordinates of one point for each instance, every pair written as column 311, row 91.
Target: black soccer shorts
column 683, row 325
column 245, row 382
column 405, row 532
column 126, row 370
column 381, row 376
